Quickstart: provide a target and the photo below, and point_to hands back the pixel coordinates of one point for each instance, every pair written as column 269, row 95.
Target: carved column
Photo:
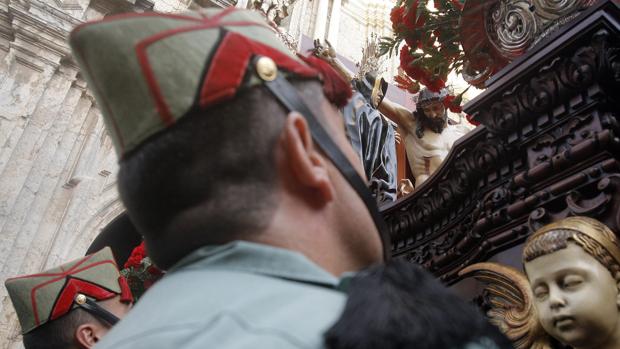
column 320, row 24
column 334, row 23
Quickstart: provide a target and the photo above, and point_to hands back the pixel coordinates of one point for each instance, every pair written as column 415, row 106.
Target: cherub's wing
column 510, row 305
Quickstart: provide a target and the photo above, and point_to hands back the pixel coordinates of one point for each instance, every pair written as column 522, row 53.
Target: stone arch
column 109, row 211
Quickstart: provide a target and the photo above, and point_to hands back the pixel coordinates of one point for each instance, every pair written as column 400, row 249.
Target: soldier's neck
column 312, row 237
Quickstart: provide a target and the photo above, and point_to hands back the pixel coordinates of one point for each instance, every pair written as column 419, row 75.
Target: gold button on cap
column 266, row 69
column 80, row 299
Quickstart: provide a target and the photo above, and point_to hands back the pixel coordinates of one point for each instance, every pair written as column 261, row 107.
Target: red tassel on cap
column 336, row 89
column 126, row 296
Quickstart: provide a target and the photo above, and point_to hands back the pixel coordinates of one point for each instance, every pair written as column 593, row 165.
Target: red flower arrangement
column 471, row 120
column 412, row 19
column 140, row 271
column 396, row 15
column 432, row 40
column 453, row 104
column 407, row 84
column 136, row 257
column 434, row 84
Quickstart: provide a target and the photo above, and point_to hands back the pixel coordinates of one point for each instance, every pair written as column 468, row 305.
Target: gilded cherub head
column 573, row 267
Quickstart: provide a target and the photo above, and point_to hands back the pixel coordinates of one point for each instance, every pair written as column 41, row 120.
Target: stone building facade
column 346, row 24
column 57, row 164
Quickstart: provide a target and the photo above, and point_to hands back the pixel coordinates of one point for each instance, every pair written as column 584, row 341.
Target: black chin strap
column 286, row 94
column 96, row 310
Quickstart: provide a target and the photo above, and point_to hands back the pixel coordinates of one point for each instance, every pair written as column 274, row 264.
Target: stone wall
column 57, row 164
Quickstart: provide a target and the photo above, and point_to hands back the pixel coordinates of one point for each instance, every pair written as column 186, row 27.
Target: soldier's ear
column 304, row 159
column 87, row 335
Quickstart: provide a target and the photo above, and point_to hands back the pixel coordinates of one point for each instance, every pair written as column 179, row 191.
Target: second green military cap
column 46, row 296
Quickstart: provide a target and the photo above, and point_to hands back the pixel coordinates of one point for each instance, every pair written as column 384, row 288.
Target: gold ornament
column 80, row 299
column 266, row 69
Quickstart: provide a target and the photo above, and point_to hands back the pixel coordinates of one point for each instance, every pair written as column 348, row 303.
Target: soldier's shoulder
column 226, row 330
column 227, row 309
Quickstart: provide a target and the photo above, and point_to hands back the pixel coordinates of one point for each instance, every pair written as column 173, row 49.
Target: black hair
column 400, row 305
column 211, row 177
column 423, row 122
column 59, row 333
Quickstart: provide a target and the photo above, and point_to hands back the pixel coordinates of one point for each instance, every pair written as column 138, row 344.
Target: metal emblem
column 80, row 299
column 266, row 69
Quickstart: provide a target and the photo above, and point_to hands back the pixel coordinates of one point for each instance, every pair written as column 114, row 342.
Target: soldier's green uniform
column 239, row 295
column 147, row 72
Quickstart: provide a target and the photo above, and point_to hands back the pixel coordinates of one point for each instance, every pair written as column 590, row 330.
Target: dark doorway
column 122, row 237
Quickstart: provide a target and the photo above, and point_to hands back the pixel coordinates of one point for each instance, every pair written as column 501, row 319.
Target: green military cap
column 149, row 70
column 46, row 296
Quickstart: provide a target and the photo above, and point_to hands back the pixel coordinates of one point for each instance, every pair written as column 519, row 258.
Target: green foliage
column 432, row 36
column 389, row 45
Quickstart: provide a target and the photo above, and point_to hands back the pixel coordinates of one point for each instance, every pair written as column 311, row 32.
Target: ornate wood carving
column 548, row 148
column 508, row 302
column 497, row 32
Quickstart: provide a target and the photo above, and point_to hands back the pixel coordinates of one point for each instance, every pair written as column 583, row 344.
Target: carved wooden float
column 548, row 148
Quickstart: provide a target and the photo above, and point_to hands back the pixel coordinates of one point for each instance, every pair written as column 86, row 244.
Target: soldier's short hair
column 58, row 334
column 214, row 171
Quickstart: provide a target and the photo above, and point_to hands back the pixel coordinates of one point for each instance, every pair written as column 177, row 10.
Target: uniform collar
column 257, row 258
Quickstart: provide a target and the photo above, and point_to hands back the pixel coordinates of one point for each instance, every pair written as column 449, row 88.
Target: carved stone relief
column 57, row 165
